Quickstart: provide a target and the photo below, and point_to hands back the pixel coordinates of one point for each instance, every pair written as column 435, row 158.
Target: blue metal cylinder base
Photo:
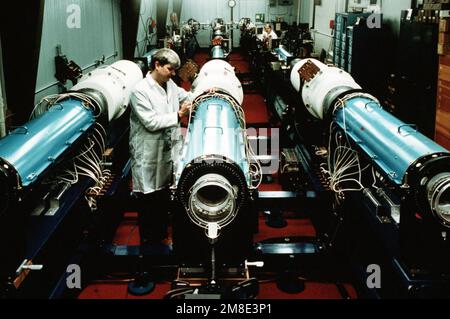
column 33, row 148
column 392, row 144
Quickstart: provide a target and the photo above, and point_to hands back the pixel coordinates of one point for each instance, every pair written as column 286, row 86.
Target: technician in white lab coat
column 157, row 105
column 268, row 35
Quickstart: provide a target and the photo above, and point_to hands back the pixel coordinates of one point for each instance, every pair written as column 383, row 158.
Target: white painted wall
column 305, row 11
column 325, row 12
column 148, row 10
column 100, row 34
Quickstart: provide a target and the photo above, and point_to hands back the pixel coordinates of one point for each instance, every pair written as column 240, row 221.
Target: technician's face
column 267, row 29
column 166, row 72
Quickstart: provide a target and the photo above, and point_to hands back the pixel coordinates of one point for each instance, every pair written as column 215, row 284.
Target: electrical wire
column 53, row 100
column 374, row 185
column 89, row 163
column 344, row 171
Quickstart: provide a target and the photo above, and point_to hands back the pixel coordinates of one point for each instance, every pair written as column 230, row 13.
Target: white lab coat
column 155, row 137
column 272, row 35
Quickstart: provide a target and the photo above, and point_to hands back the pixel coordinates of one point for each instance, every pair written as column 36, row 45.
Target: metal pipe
column 96, row 64
column 2, row 96
column 313, row 24
column 2, row 113
column 231, row 31
column 162, row 7
column 213, row 265
column 83, row 69
column 299, row 3
column 217, row 52
column 322, row 33
column 46, row 87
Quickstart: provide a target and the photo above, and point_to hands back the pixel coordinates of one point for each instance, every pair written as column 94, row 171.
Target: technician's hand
column 185, row 109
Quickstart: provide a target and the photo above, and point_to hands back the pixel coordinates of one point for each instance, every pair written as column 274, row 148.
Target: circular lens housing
column 212, row 200
column 438, row 189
